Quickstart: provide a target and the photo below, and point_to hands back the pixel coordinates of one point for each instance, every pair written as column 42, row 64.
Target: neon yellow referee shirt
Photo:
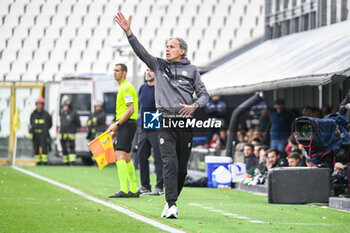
column 126, row 95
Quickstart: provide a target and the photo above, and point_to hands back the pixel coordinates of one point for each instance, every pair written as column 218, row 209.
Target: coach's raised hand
column 124, row 23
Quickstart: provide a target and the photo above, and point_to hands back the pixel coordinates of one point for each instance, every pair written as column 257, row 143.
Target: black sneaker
column 143, row 190
column 119, row 194
column 134, row 194
column 157, row 192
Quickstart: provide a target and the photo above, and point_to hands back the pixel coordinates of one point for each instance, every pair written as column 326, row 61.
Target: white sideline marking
column 255, row 221
column 94, row 199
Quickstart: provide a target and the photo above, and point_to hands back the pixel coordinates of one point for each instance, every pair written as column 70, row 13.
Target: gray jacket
column 175, row 81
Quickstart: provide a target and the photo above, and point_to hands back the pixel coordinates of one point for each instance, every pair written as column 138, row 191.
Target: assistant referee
column 124, row 130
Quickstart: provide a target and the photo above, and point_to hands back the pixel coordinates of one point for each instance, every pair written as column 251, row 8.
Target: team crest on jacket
column 184, row 73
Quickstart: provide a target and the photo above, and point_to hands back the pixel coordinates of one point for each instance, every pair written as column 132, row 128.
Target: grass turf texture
column 205, row 209
column 28, row 204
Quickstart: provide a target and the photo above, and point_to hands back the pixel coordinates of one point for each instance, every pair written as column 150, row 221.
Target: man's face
column 39, row 106
column 118, row 73
column 292, row 162
column 247, row 151
column 65, row 107
column 149, row 74
column 272, row 158
column 173, row 50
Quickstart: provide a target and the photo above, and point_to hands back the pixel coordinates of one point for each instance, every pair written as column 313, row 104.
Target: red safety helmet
column 40, row 100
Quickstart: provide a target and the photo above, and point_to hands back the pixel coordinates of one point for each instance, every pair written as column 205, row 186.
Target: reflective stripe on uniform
column 37, row 158
column 44, row 158
column 71, row 136
column 72, row 157
column 65, row 158
column 39, row 121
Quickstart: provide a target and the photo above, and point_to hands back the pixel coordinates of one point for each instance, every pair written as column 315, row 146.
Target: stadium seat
column 62, row 43
column 179, row 32
column 27, row 21
column 95, row 43
column 90, row 20
column 68, row 32
column 100, row 32
column 20, row 32
column 47, row 43
column 52, row 32
column 96, row 8
column 13, row 77
column 206, row 9
column 59, row 21
column 170, row 21
column 174, row 9
column 51, row 66
column 105, row 55
column 107, row 21
column 41, row 55
column 75, row 20
column 29, row 77
column 84, row 32
column 43, row 20
column 80, row 8
column 4, row 8
column 35, row 67
column 10, row 54
column 2, row 44
column 74, row 55
column 36, row 32
column 33, row 8
column 25, row 55
column 64, row 9
column 83, row 67
column 45, row 77
column 143, row 9
column 11, row 20
column 186, row 21
column 211, row 33
column 48, row 9
column 78, row 43
column 234, row 21
column 201, row 21
column 6, row 31
column 163, row 32
column 67, row 67
column 226, row 32
column 222, row 9
column 99, row 67
column 128, row 9
column 15, row 43
column 154, row 20
column 217, row 21
column 17, row 8
column 19, row 67
column 57, row 55
column 190, row 9
column 4, row 66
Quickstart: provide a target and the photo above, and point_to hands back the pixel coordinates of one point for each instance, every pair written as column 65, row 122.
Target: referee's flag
column 102, row 149
column 16, row 125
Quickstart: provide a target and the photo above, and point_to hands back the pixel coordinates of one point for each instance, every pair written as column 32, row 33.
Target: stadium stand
column 51, row 34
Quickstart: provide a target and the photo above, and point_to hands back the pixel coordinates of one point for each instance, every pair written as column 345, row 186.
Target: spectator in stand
column 325, row 110
column 302, row 162
column 292, row 145
column 293, row 159
column 262, row 160
column 250, row 160
column 316, row 112
column 274, row 159
column 216, row 108
column 307, row 111
column 223, row 138
column 281, row 122
column 249, row 135
column 215, row 142
column 240, row 143
column 256, row 149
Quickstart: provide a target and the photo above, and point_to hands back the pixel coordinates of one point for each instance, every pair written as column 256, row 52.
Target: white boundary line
column 94, row 199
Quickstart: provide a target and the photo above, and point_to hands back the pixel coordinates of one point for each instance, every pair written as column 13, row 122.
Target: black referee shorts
column 125, row 134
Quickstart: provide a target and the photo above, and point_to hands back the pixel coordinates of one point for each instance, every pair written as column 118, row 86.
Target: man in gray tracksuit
column 176, row 80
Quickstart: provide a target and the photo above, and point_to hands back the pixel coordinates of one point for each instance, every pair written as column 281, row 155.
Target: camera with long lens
column 322, row 138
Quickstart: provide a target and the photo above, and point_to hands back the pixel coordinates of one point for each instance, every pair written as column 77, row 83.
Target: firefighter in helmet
column 96, row 122
column 40, row 123
column 70, row 122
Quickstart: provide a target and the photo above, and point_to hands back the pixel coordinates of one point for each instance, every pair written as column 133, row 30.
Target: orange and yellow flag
column 102, row 149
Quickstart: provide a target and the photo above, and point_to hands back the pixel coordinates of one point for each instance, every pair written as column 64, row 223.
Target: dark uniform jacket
column 40, row 123
column 70, row 121
column 96, row 124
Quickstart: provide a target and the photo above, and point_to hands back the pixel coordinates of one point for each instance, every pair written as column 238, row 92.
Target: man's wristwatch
column 117, row 123
column 196, row 105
